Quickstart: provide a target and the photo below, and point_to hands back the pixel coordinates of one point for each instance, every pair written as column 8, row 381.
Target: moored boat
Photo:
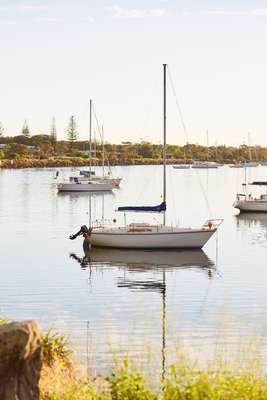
column 182, row 166
column 88, row 181
column 205, row 165
column 145, row 235
column 248, row 203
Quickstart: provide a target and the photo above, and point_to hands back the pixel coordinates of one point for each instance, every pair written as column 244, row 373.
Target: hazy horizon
column 56, row 55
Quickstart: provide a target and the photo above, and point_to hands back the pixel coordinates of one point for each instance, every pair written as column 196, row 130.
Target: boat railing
column 101, row 223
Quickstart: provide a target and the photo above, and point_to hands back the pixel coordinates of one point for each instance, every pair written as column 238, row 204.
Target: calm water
column 116, row 299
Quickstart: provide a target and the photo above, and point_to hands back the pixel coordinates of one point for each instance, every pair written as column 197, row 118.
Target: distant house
column 126, row 142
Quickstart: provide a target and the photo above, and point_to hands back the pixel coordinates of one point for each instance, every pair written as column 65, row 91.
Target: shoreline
column 68, row 162
column 74, row 162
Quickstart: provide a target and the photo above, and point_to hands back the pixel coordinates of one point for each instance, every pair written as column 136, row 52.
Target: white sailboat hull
column 165, row 238
column 85, row 187
column 251, row 205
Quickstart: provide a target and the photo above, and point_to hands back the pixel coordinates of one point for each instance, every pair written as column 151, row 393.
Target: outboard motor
column 86, row 233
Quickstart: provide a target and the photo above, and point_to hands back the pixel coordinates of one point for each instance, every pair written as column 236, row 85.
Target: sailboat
column 205, row 164
column 250, row 163
column 148, row 236
column 247, row 203
column 87, row 181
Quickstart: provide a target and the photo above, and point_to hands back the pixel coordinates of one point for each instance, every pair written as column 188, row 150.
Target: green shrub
column 3, row 321
column 188, row 384
column 128, row 384
column 55, row 348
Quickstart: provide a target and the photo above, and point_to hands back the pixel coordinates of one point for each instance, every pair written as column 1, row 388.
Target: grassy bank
column 224, row 378
column 183, row 383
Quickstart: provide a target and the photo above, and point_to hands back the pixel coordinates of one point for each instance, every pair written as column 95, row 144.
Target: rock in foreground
column 20, row 361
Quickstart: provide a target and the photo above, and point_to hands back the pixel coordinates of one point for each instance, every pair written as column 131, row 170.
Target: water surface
column 116, row 299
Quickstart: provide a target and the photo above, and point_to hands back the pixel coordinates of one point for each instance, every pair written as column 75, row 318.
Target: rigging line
column 204, row 194
column 173, row 197
column 101, row 137
column 178, row 106
column 148, row 108
column 148, row 183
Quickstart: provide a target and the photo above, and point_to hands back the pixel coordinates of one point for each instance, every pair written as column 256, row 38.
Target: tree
column 53, row 131
column 2, row 131
column 25, row 129
column 15, row 150
column 72, row 133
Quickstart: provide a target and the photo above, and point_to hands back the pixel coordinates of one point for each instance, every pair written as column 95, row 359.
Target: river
column 134, row 301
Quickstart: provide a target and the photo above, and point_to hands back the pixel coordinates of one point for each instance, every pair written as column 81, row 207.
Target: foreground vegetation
column 183, row 382
column 223, row 379
column 45, row 151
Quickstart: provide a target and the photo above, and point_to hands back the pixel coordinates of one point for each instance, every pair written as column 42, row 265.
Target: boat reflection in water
column 255, row 225
column 139, row 262
column 75, row 195
column 146, row 260
column 250, row 219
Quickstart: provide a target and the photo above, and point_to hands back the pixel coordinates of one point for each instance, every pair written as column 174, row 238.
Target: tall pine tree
column 25, row 129
column 53, row 132
column 72, row 133
column 2, row 131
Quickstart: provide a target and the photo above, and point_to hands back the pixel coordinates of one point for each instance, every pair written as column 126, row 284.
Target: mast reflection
column 143, row 261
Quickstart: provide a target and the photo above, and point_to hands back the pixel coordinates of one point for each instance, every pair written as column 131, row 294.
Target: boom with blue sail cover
column 159, row 208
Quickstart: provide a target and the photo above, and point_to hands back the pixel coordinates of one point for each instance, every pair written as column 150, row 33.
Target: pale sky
column 57, row 54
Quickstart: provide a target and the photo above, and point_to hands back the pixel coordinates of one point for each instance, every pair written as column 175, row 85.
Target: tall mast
column 103, row 152
column 164, row 139
column 90, row 138
column 249, row 147
column 207, row 134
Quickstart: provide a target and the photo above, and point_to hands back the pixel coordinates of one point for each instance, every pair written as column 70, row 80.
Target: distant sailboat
column 250, row 163
column 88, row 181
column 205, row 164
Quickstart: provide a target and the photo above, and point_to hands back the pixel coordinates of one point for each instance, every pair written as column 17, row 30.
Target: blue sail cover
column 259, row 183
column 161, row 207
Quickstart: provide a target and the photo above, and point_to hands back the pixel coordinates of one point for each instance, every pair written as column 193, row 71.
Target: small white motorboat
column 182, row 166
column 237, row 165
column 250, row 164
column 205, row 165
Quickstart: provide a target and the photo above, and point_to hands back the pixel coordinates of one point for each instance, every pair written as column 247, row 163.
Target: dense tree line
column 45, row 146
